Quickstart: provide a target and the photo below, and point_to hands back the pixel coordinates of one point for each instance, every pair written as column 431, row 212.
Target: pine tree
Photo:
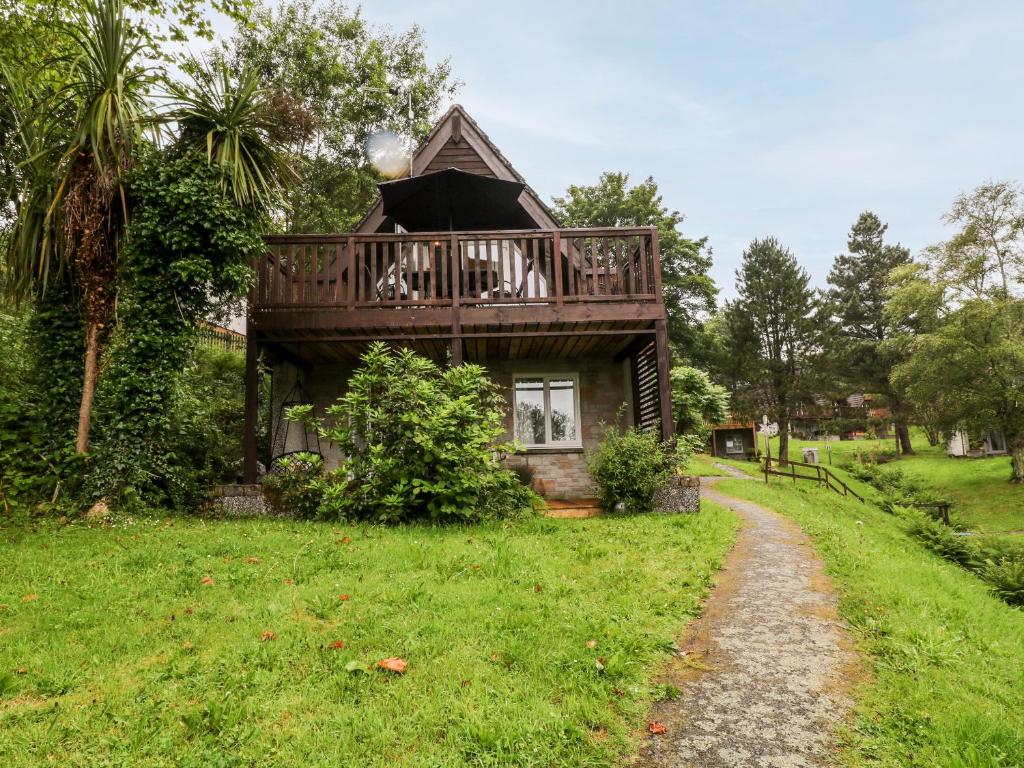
column 858, row 354
column 772, row 336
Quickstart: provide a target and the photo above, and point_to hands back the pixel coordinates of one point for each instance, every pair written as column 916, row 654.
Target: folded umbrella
column 454, row 200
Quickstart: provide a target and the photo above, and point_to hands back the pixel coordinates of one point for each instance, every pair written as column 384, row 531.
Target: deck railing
column 423, row 269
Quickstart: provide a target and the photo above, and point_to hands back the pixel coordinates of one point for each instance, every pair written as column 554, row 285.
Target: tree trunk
column 92, row 354
column 783, row 442
column 1017, row 462
column 903, row 438
column 933, row 435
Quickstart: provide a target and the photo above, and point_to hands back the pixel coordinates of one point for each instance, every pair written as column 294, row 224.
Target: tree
column 81, row 143
column 962, row 321
column 856, row 302
column 74, row 209
column 987, row 254
column 772, row 335
column 339, row 81
column 969, row 368
column 696, row 400
column 37, row 41
column 689, row 290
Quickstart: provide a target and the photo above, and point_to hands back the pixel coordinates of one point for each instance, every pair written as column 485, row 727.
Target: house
column 734, row 439
column 571, row 323
column 991, row 443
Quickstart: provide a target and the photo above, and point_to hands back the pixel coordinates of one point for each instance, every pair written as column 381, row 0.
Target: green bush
column 944, row 541
column 998, row 562
column 296, row 485
column 420, row 442
column 629, row 467
column 1006, row 577
column 35, row 466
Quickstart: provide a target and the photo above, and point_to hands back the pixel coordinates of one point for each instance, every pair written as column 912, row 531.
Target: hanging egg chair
column 309, row 440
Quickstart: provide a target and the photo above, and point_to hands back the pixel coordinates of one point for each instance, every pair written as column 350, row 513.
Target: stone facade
column 605, row 398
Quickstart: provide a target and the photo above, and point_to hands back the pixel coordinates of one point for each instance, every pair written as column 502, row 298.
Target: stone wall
column 682, row 494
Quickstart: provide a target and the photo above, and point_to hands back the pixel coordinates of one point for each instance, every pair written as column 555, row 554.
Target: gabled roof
column 458, row 136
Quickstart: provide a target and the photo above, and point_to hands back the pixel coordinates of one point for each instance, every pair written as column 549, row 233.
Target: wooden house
column 570, row 322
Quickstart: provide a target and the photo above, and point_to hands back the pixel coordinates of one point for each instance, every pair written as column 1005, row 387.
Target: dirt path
column 765, row 671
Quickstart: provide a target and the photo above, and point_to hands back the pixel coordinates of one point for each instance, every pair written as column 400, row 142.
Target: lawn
column 946, row 684
column 978, row 488
column 191, row 642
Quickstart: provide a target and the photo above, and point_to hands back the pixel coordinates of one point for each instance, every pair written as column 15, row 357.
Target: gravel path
column 765, row 670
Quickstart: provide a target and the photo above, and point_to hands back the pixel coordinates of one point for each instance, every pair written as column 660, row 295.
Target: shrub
column 944, row 541
column 875, row 455
column 629, row 467
column 1006, row 577
column 295, row 487
column 997, row 562
column 419, row 443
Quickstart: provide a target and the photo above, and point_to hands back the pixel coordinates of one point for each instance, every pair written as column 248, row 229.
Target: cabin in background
column 464, row 262
column 734, row 439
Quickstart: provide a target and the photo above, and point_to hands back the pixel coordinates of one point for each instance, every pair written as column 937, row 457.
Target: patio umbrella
column 454, row 200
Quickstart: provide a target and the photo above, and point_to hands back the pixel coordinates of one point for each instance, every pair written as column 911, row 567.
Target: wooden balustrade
column 520, row 267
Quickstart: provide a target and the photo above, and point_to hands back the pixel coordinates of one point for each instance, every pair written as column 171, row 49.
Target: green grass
column 946, row 657
column 113, row 651
column 979, row 489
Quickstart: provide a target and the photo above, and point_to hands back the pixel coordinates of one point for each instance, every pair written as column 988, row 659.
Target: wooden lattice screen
column 646, row 400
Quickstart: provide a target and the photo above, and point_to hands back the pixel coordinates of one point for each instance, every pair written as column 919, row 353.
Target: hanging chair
column 279, row 447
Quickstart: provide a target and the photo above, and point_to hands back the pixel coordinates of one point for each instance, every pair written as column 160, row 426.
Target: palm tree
column 73, row 207
column 78, row 145
column 234, row 121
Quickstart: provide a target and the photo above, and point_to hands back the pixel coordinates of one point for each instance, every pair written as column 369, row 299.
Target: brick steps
column 572, row 508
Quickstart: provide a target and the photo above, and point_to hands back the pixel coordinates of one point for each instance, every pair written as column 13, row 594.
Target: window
column 547, row 411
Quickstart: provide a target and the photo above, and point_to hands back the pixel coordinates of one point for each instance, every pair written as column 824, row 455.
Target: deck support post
column 456, row 260
column 664, row 385
column 251, row 406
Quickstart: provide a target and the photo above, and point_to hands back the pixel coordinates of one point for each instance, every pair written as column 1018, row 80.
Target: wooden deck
column 431, row 288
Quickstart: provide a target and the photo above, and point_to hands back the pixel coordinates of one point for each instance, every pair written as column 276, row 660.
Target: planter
column 681, row 494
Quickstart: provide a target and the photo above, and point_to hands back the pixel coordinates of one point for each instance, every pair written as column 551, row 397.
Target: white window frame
column 547, row 377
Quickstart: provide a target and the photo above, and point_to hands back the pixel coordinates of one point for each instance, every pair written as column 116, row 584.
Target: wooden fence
column 798, row 470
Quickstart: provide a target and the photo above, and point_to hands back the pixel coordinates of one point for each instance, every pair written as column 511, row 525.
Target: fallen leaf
column 495, row 656
column 206, row 581
column 289, row 582
column 353, row 666
column 346, row 540
column 188, row 611
column 537, row 587
column 267, row 635
column 591, row 643
column 252, row 560
column 343, row 598
column 599, row 663
column 393, row 664
column 466, row 683
column 657, row 728
column 21, row 671
column 337, row 645
column 30, row 598
column 187, row 646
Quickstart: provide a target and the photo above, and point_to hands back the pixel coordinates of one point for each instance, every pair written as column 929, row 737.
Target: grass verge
column 185, row 642
column 947, row 687
column 979, row 489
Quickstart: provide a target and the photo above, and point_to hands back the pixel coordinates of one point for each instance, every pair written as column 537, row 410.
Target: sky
column 756, row 118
